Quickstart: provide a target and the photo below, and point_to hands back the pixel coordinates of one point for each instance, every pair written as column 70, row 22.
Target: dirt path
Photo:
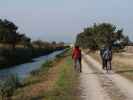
column 97, row 84
column 91, row 88
column 128, row 54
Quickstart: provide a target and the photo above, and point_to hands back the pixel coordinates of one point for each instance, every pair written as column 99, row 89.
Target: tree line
column 16, row 47
column 9, row 35
column 103, row 34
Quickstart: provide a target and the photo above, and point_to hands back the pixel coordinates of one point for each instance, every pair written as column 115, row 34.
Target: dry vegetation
column 59, row 82
column 122, row 64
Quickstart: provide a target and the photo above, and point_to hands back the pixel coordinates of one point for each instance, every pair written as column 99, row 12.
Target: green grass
column 8, row 86
column 65, row 86
column 36, row 75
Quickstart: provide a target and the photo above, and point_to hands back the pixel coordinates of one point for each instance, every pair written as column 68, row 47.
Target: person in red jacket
column 76, row 55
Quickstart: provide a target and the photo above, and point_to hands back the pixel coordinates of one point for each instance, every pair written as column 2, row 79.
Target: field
column 122, row 63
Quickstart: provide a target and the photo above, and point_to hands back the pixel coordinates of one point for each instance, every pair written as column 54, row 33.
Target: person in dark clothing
column 76, row 55
column 102, row 50
column 107, row 57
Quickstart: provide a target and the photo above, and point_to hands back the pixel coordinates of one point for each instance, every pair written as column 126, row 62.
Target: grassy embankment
column 122, row 64
column 56, row 80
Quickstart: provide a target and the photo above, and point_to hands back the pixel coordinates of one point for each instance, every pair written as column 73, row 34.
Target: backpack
column 77, row 53
column 102, row 51
column 107, row 55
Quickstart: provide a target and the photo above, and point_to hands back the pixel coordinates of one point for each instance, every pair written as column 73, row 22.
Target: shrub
column 8, row 86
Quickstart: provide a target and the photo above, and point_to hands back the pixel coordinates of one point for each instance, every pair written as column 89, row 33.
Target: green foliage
column 24, row 40
column 45, row 67
column 99, row 35
column 8, row 86
column 47, row 64
column 64, row 88
column 63, row 54
column 16, row 48
column 9, row 34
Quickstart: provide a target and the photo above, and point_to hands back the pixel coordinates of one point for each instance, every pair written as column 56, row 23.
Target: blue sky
column 61, row 20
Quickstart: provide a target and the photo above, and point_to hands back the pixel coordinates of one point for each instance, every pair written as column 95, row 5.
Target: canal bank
column 24, row 70
column 9, row 57
column 58, row 83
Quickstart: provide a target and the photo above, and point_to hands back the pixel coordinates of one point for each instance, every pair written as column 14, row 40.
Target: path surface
column 97, row 84
column 128, row 54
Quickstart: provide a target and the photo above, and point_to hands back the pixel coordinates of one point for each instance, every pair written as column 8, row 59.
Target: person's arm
column 80, row 53
column 111, row 54
column 72, row 53
column 100, row 52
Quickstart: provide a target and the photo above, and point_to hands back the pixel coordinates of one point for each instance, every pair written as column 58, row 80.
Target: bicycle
column 108, row 65
column 78, row 67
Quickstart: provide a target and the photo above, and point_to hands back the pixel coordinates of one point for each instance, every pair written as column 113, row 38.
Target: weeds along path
column 46, row 82
column 60, row 82
column 97, row 84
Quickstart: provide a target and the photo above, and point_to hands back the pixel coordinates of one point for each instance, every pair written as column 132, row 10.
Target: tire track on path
column 122, row 84
column 90, row 86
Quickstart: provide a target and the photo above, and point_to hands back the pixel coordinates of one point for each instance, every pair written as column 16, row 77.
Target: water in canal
column 24, row 70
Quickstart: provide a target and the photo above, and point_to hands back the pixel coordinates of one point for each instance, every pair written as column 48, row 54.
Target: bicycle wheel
column 108, row 67
column 78, row 67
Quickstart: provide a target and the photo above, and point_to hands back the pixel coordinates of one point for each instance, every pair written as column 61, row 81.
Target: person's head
column 103, row 46
column 76, row 46
column 110, row 47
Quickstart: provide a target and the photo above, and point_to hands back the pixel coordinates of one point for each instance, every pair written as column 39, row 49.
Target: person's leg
column 75, row 64
column 80, row 64
column 110, row 65
column 106, row 66
column 103, row 65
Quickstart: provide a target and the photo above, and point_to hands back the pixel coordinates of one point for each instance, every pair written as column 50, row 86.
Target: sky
column 62, row 20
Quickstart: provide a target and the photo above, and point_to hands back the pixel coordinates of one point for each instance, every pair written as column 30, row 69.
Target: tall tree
column 38, row 43
column 8, row 32
column 24, row 40
column 98, row 35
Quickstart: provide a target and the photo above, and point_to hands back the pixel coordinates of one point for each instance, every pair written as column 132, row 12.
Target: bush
column 8, row 86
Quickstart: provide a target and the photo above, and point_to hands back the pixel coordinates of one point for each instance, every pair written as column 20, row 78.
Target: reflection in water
column 24, row 70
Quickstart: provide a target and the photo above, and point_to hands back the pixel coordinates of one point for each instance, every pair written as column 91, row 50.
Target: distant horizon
column 62, row 20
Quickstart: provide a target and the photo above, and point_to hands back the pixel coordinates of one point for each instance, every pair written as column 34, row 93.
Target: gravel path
column 91, row 88
column 127, row 54
column 97, row 84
